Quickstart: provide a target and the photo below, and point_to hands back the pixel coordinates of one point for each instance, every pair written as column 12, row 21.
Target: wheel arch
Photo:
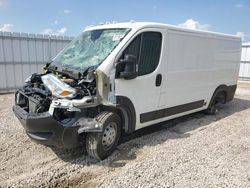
column 126, row 110
column 220, row 89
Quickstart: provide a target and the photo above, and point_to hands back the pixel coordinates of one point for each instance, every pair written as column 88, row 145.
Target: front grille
column 32, row 102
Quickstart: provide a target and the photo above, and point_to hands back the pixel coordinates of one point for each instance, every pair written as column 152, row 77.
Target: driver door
column 144, row 90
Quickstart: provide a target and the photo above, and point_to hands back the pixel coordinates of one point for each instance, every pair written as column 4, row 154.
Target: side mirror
column 126, row 68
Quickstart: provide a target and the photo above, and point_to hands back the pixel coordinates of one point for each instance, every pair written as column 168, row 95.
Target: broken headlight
column 57, row 87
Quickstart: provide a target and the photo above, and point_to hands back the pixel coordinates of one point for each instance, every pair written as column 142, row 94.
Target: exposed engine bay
column 55, row 90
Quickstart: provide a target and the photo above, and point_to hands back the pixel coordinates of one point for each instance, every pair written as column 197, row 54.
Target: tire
column 212, row 109
column 101, row 145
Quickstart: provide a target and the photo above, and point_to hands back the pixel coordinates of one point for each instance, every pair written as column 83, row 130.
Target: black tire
column 95, row 142
column 212, row 109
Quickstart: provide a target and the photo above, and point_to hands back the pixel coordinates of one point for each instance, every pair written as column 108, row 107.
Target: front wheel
column 101, row 145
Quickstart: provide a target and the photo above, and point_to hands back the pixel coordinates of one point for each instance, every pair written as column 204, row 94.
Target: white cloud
column 67, row 11
column 238, row 5
column 192, row 24
column 7, row 27
column 62, row 31
column 49, row 31
column 242, row 35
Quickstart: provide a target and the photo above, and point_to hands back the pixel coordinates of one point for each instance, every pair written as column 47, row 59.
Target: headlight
column 57, row 87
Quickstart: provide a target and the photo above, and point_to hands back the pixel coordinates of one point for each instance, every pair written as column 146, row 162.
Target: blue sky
column 69, row 17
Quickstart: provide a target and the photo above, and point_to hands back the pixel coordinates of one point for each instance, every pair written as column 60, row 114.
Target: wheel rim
column 109, row 135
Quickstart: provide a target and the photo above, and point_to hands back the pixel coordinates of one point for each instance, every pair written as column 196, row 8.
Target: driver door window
column 147, row 48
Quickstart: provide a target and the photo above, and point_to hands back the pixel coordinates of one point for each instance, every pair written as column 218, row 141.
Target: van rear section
column 121, row 77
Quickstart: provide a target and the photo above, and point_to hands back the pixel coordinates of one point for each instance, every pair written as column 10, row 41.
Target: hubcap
column 109, row 135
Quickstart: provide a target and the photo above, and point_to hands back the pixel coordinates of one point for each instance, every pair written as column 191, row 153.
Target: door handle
column 158, row 80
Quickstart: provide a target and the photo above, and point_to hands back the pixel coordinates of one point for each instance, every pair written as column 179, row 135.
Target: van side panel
column 196, row 65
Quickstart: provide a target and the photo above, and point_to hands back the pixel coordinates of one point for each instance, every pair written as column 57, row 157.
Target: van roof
column 140, row 25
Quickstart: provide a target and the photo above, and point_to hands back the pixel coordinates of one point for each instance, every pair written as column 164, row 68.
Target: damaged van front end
column 58, row 107
column 54, row 113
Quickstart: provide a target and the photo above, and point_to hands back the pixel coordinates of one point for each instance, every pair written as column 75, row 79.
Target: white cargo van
column 122, row 77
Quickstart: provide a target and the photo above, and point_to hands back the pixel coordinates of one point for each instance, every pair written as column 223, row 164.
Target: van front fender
column 128, row 111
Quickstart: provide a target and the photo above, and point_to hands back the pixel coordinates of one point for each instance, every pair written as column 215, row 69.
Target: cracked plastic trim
column 88, row 125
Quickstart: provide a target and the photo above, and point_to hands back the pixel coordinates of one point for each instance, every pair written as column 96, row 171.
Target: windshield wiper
column 51, row 67
column 54, row 68
column 71, row 72
column 67, row 70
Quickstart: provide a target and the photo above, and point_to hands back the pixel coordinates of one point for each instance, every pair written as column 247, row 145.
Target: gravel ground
column 192, row 151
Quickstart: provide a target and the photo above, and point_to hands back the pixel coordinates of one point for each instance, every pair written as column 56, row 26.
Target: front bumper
column 44, row 129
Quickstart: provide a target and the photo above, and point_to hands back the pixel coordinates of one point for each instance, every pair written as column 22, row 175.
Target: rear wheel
column 220, row 98
column 101, row 145
column 212, row 109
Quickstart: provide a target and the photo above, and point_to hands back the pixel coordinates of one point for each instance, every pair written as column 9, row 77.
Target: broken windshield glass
column 90, row 48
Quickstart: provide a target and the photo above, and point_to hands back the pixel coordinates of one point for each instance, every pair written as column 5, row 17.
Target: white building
column 244, row 73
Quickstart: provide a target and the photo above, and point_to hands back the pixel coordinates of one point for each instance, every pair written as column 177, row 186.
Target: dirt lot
column 192, row 151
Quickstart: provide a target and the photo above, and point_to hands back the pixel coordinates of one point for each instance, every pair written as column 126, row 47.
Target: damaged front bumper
column 44, row 129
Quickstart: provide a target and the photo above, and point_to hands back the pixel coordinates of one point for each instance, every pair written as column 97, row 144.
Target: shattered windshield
column 90, row 48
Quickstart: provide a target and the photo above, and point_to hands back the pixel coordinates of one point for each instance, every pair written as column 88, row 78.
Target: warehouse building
column 244, row 73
